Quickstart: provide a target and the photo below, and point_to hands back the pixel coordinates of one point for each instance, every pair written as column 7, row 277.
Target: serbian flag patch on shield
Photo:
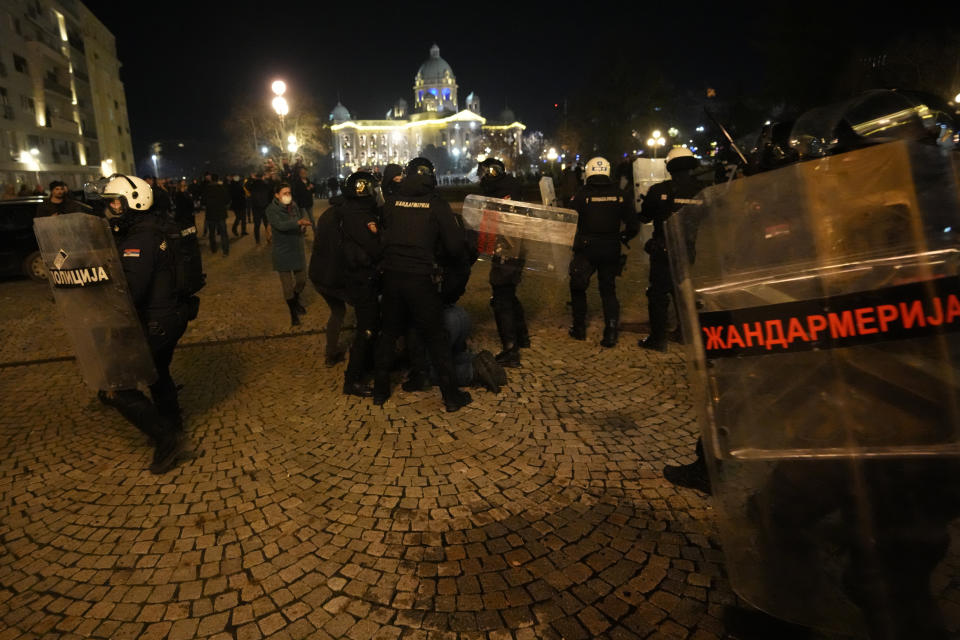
column 131, row 253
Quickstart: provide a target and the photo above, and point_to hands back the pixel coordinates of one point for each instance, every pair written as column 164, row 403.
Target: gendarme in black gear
column 505, row 273
column 150, row 271
column 419, row 231
column 360, row 232
column 663, row 200
column 603, row 209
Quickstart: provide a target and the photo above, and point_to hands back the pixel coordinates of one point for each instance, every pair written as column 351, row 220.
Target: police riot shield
column 646, row 173
column 509, row 230
column 91, row 292
column 822, row 305
column 547, row 193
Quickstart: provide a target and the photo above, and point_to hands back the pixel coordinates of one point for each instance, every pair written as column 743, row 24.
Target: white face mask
column 286, row 199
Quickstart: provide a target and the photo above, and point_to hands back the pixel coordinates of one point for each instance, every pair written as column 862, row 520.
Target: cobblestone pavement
column 536, row 513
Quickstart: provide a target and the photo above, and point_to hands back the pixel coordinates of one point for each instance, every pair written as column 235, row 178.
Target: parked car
column 19, row 254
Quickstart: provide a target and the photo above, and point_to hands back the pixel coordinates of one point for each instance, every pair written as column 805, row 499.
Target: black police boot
column 654, row 344
column 294, row 319
column 381, row 390
column 577, row 332
column 332, row 359
column 358, row 389
column 302, row 310
column 417, row 381
column 691, row 476
column 509, row 357
column 610, row 334
column 168, row 450
column 455, row 399
column 487, row 372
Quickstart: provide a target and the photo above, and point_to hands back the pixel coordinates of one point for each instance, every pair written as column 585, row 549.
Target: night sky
column 186, row 64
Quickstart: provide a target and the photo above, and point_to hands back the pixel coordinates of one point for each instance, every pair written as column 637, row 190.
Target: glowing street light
column 279, row 87
column 263, row 150
column 280, row 106
column 552, row 154
column 656, row 140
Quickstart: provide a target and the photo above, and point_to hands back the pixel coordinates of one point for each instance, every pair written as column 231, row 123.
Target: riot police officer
column 359, row 220
column 419, row 231
column 505, row 272
column 603, row 208
column 148, row 264
column 663, row 200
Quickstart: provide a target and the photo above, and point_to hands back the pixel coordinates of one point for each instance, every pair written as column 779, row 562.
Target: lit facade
column 63, row 113
column 436, row 128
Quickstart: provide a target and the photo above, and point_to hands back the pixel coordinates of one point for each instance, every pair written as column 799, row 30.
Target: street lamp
column 656, row 140
column 156, row 165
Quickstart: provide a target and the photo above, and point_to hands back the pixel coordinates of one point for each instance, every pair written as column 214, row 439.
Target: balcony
column 63, row 125
column 53, row 86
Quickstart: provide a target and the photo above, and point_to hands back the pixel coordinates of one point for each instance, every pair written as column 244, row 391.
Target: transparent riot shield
column 646, row 173
column 547, row 192
column 91, row 292
column 510, row 230
column 822, row 303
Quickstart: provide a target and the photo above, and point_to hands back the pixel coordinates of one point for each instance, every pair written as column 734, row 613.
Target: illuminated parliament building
column 435, row 127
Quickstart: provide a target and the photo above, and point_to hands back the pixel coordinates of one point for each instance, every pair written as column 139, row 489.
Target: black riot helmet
column 491, row 169
column 421, row 170
column 360, row 184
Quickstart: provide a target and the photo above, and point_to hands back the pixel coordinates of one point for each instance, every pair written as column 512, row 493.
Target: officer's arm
column 451, row 230
column 138, row 255
column 648, row 210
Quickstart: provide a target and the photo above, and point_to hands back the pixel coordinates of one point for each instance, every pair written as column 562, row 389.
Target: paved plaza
column 539, row 512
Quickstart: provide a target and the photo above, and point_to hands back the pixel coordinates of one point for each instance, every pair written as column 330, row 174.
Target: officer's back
column 416, row 223
column 602, row 207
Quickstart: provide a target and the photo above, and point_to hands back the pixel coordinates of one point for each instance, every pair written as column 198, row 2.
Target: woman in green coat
column 289, row 257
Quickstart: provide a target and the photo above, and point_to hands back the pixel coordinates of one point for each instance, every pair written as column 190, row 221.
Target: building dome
column 507, row 116
column 435, row 69
column 340, row 113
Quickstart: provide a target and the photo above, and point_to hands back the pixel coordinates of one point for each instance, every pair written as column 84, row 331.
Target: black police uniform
column 663, row 200
column 148, row 265
column 419, row 230
column 602, row 209
column 361, row 253
column 505, row 275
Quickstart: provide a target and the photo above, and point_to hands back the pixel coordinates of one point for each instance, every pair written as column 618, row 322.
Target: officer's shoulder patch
column 163, row 246
column 131, row 253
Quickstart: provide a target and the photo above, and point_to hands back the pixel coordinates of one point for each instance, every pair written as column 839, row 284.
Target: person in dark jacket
column 419, row 231
column 260, row 196
column 183, row 207
column 289, row 256
column 149, row 268
column 238, row 202
column 302, row 190
column 216, row 199
column 505, row 271
column 359, row 217
column 603, row 209
column 390, row 183
column 59, row 201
